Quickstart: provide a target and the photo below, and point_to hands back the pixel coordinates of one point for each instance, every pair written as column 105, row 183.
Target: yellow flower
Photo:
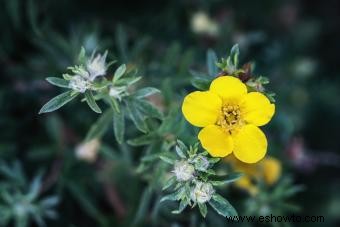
column 229, row 117
column 271, row 170
column 268, row 170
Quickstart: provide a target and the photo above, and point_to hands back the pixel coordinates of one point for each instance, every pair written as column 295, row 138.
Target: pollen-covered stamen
column 230, row 118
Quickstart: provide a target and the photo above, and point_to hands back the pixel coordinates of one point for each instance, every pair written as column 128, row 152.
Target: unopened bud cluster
column 183, row 170
column 84, row 75
column 189, row 169
column 202, row 192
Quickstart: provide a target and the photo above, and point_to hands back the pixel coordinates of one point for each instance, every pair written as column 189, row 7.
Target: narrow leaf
column 98, row 129
column 180, row 152
column 143, row 205
column 182, row 145
column 234, row 53
column 148, row 109
column 82, row 56
column 222, row 206
column 203, row 209
column 166, row 157
column 169, row 182
column 58, row 101
column 136, row 116
column 211, row 63
column 113, row 103
column 128, row 81
column 201, row 83
column 58, row 82
column 91, row 102
column 222, row 180
column 147, row 91
column 142, row 140
column 182, row 205
column 171, row 197
column 119, row 125
column 119, row 73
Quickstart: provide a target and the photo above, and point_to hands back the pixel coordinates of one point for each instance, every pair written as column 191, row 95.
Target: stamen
column 230, row 118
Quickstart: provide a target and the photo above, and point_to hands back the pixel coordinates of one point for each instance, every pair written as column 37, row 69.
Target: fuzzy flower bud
column 116, row 92
column 79, row 84
column 88, row 151
column 201, row 163
column 183, row 170
column 202, row 192
column 96, row 66
column 201, row 23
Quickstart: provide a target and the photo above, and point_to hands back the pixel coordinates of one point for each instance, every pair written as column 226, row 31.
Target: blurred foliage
column 295, row 44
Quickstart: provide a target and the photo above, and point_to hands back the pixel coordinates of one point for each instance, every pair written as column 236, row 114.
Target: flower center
column 230, row 118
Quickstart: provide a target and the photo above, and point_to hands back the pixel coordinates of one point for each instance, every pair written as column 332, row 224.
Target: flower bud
column 97, row 66
column 201, row 163
column 79, row 84
column 201, row 23
column 183, row 170
column 202, row 192
column 88, row 151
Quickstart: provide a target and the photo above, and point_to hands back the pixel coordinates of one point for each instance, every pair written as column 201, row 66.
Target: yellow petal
column 201, row 108
column 257, row 109
column 271, row 170
column 215, row 141
column 250, row 144
column 228, row 87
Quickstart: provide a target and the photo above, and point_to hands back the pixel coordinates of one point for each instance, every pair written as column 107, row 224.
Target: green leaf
column 58, row 82
column 143, row 205
column 149, row 157
column 136, row 116
column 222, row 206
column 147, row 91
column 143, row 139
column 167, row 157
column 98, row 129
column 182, row 205
column 203, row 209
column 114, row 104
column 222, row 180
column 234, row 53
column 211, row 63
column 119, row 73
column 82, row 56
column 34, row 188
column 91, row 102
column 170, row 197
column 119, row 125
column 169, row 182
column 182, row 145
column 214, row 160
column 201, row 83
column 210, row 172
column 180, row 152
column 271, row 96
column 148, row 109
column 58, row 101
column 67, row 76
column 128, row 81
column 49, row 202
